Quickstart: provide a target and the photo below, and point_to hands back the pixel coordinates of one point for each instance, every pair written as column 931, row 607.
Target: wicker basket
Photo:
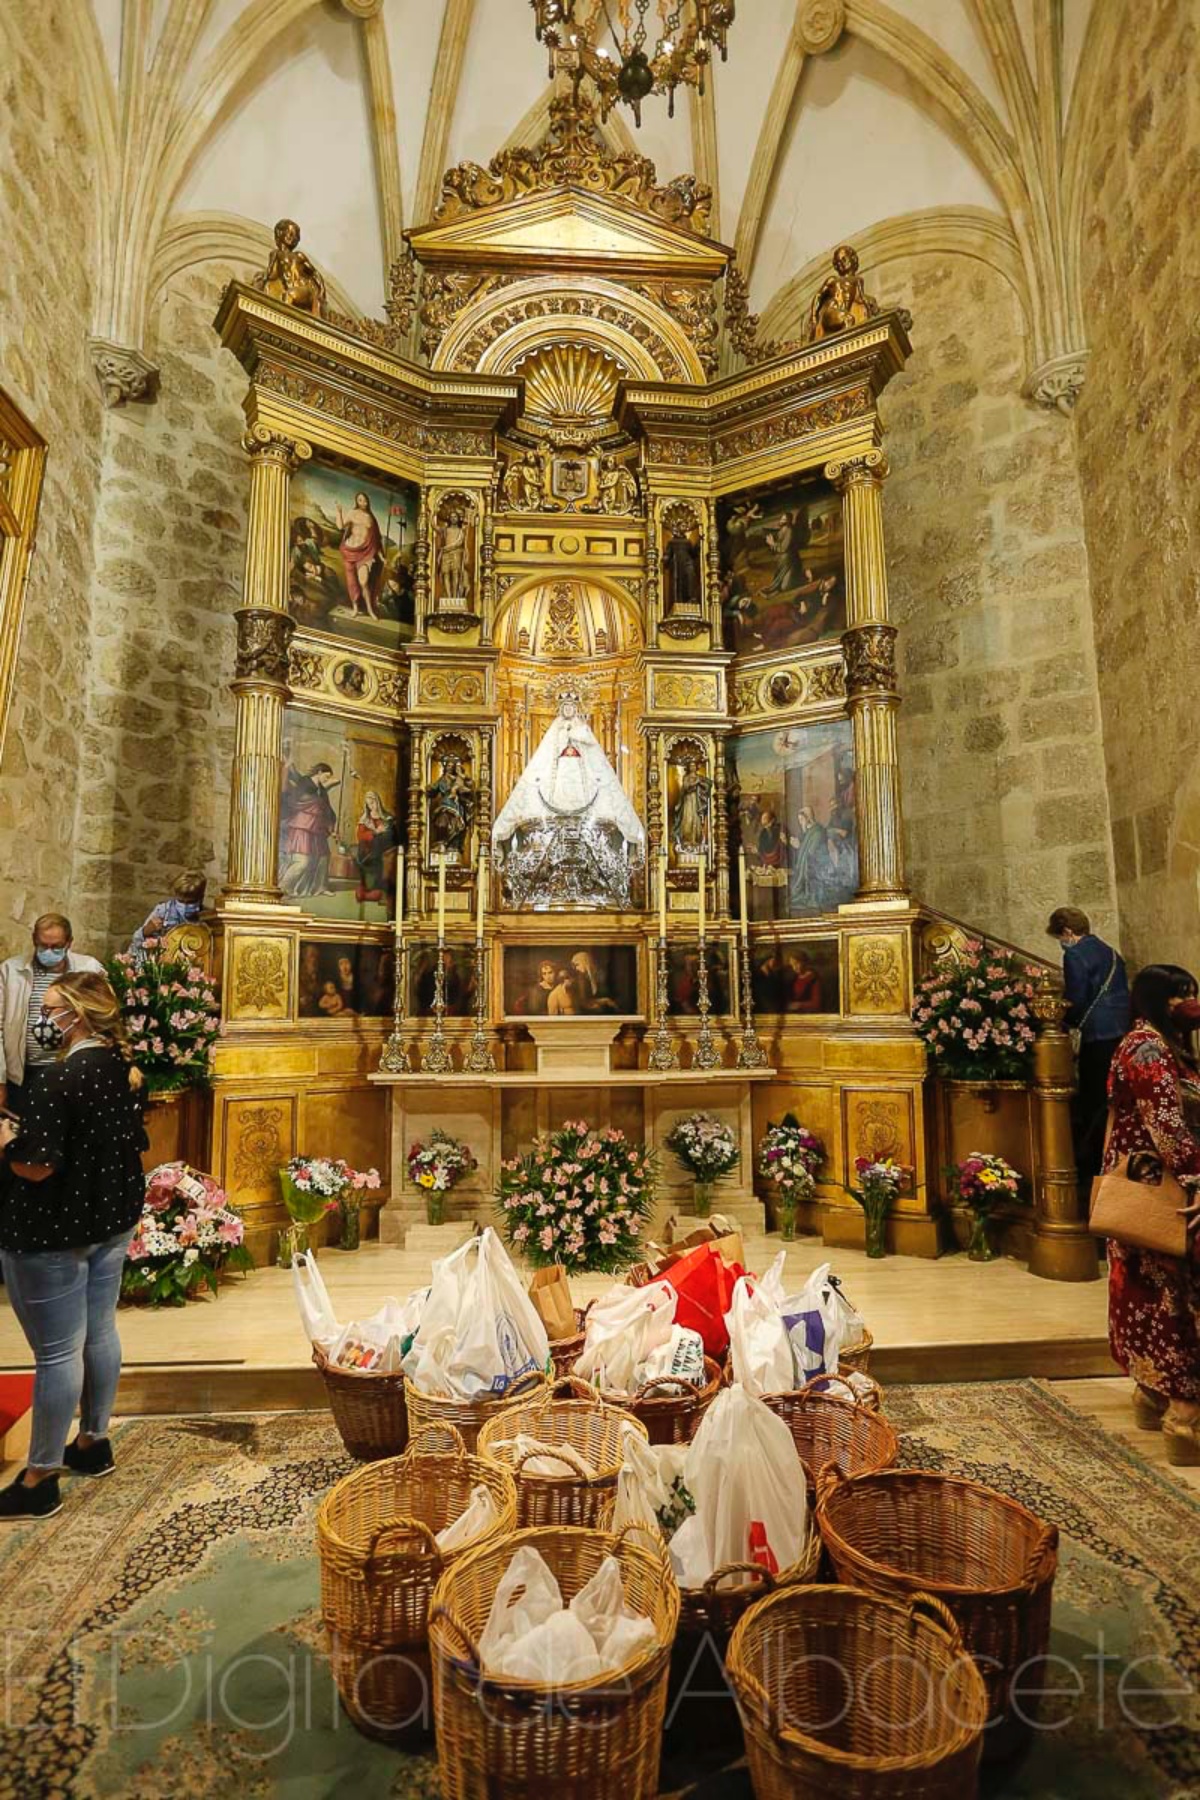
column 990, row 1560
column 588, row 1434
column 669, row 1408
column 859, row 1355
column 565, row 1352
column 871, row 1398
column 825, row 1429
column 852, row 1696
column 714, row 1610
column 369, row 1410
column 379, row 1565
column 505, row 1740
column 467, row 1416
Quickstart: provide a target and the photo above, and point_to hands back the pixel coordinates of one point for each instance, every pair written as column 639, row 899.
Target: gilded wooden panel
column 879, row 1123
column 258, row 984
column 680, row 691
column 878, row 972
column 258, row 1136
column 350, row 1122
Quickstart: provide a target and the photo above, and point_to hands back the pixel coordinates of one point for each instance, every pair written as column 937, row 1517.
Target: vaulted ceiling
column 940, row 123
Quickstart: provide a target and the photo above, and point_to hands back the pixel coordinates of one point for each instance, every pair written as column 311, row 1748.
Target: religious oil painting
column 570, row 980
column 683, row 979
column 345, row 980
column 339, row 816
column 791, row 806
column 458, row 980
column 801, row 976
column 782, row 567
column 351, row 550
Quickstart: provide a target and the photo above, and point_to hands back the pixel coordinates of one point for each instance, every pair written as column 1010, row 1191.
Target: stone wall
column 1138, row 425
column 47, row 271
column 1003, row 769
column 154, row 774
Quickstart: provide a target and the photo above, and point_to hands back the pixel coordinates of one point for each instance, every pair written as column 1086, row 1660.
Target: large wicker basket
column 379, row 1565
column 859, row 1355
column 564, row 1352
column 825, row 1429
column 669, row 1408
column 505, row 1740
column 714, row 1609
column 467, row 1416
column 990, row 1560
column 368, row 1409
column 588, row 1436
column 853, row 1696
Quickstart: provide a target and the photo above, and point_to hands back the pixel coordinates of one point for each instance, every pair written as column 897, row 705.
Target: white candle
column 742, row 907
column 701, row 891
column 480, row 888
column 662, row 894
column 399, row 889
column 441, row 916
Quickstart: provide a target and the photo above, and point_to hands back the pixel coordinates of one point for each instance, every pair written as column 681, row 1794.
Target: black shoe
column 21, row 1502
column 92, row 1459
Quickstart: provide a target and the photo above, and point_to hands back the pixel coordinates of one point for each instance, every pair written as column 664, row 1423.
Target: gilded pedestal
column 1063, row 1247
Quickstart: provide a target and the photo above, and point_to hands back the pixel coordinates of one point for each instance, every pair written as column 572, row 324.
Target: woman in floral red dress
column 1154, row 1300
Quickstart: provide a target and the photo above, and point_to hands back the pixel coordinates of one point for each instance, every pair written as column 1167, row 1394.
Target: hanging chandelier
column 626, row 58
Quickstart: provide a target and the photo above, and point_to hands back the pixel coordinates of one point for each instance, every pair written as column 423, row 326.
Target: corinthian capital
column 871, row 469
column 264, row 638
column 870, row 652
column 264, row 445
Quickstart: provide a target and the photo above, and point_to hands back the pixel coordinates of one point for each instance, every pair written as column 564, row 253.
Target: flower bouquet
column 981, row 1182
column 436, row 1167
column 316, row 1185
column 878, row 1184
column 187, row 1237
column 171, row 1014
column 578, row 1197
column 708, row 1148
column 789, row 1156
column 976, row 1019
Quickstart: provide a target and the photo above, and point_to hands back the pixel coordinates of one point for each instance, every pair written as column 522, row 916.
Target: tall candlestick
column 480, row 890
column 662, row 894
column 399, row 889
column 441, row 904
column 701, row 893
column 742, row 907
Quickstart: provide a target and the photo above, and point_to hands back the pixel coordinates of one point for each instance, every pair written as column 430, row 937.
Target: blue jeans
column 66, row 1304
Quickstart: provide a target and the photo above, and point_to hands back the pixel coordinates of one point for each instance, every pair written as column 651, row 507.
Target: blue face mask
column 191, row 910
column 51, row 959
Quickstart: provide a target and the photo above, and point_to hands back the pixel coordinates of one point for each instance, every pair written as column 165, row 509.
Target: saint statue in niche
column 568, row 835
column 691, row 810
column 451, row 797
column 453, row 555
column 681, row 568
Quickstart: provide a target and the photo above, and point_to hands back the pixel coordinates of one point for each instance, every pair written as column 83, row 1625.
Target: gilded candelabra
column 437, row 1060
column 479, row 1059
column 751, row 1054
column 663, row 1053
column 708, row 1055
column 393, row 1058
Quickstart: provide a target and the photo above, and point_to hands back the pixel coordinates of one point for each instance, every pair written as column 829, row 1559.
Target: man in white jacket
column 23, row 982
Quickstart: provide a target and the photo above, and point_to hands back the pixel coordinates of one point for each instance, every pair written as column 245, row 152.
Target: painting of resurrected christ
column 782, row 567
column 351, row 550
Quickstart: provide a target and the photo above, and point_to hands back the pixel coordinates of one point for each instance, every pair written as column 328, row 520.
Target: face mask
column 51, row 959
column 1187, row 1013
column 47, row 1033
column 191, row 911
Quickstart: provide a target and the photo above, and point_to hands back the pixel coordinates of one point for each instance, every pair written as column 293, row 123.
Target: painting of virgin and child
column 792, row 810
column 782, row 567
column 351, row 548
column 339, row 817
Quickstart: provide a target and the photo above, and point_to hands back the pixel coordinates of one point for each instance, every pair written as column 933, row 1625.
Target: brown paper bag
column 551, row 1295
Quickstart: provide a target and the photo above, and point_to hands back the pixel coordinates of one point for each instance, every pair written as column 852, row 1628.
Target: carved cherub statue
column 290, row 276
column 842, row 302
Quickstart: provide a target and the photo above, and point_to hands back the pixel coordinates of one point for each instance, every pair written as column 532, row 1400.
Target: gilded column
column 1063, row 1247
column 260, row 689
column 720, row 826
column 414, row 868
column 869, row 643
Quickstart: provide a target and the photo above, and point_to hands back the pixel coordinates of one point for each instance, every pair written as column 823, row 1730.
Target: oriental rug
column 162, row 1639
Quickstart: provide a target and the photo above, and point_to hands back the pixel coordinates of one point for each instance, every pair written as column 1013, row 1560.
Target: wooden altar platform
column 952, row 1320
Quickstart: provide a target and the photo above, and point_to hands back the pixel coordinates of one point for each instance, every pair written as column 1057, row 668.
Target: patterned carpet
column 162, row 1640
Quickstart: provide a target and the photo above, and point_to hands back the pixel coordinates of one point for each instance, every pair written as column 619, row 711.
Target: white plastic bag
column 814, row 1323
column 748, row 1483
column 378, row 1343
column 682, row 1355
column 557, row 1651
column 617, row 1631
column 623, row 1327
column 479, row 1331
column 759, row 1347
column 480, row 1512
column 646, row 1484
column 547, row 1459
column 434, row 1342
column 316, row 1309
column 527, row 1595
column 854, row 1326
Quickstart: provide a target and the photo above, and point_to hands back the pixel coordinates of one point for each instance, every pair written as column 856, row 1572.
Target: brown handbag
column 1142, row 1213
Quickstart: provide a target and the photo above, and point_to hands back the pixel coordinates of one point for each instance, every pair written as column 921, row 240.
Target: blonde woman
column 72, row 1194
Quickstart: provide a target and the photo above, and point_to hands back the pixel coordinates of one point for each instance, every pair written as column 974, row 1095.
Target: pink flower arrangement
column 172, row 1016
column 187, row 1237
column 578, row 1197
column 976, row 1019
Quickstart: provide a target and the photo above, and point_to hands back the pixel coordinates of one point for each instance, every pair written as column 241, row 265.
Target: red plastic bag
column 704, row 1283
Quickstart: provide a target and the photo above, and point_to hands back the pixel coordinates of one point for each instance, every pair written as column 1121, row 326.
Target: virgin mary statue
column 567, row 836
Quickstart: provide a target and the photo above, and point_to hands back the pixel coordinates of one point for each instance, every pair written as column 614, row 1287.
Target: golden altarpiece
column 529, row 498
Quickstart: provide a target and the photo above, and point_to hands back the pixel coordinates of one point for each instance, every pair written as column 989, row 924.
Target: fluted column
column 869, row 643
column 260, row 689
column 1063, row 1247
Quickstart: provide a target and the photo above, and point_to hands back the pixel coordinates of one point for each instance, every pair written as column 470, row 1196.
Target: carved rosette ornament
column 264, row 638
column 124, row 374
column 870, row 660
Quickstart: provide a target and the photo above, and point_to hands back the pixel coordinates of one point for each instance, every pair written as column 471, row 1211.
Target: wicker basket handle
column 1039, row 1556
column 534, row 1378
column 575, row 1387
column 675, row 1382
column 447, row 1430
column 402, row 1526
column 755, row 1570
column 830, row 1478
column 564, row 1453
column 930, row 1607
column 652, row 1539
column 452, row 1625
